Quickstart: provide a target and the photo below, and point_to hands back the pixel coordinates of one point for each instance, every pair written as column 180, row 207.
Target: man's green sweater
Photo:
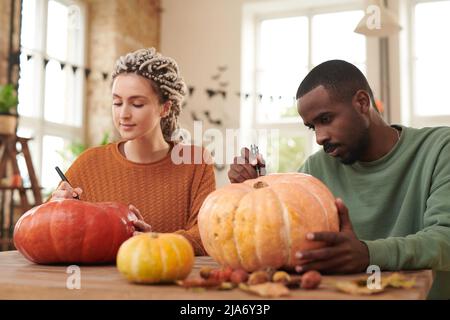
column 400, row 204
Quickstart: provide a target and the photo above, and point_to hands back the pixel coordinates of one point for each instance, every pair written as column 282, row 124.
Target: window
column 282, row 63
column 287, row 47
column 51, row 84
column 430, row 63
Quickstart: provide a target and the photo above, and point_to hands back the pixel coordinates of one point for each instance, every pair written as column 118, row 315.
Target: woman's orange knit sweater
column 167, row 194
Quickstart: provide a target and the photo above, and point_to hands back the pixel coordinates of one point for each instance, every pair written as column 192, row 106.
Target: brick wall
column 114, row 28
column 4, row 32
column 5, row 20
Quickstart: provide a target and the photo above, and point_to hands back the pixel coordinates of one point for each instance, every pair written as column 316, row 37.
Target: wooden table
column 21, row 279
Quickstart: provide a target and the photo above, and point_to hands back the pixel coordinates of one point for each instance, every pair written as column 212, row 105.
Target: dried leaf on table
column 268, row 289
column 359, row 286
column 355, row 287
column 226, row 286
column 199, row 283
column 397, row 280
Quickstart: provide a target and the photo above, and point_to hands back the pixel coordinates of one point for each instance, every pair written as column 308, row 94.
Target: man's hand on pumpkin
column 140, row 225
column 343, row 253
column 244, row 167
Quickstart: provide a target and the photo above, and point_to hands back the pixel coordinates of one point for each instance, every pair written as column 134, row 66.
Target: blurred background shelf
column 14, row 196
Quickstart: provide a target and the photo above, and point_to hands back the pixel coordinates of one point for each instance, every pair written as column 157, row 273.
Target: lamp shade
column 378, row 21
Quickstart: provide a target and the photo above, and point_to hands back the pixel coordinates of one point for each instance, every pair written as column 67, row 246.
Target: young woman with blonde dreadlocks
column 143, row 167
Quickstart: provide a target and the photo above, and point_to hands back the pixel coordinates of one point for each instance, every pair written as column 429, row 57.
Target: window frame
column 37, row 123
column 416, row 120
column 253, row 18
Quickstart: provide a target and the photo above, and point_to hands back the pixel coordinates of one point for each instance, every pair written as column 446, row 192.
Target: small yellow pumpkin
column 155, row 258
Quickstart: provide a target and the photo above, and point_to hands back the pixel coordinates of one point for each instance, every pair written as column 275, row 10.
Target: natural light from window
column 57, row 26
column 431, row 59
column 52, row 74
column 286, row 51
column 50, row 155
column 283, row 62
column 333, row 38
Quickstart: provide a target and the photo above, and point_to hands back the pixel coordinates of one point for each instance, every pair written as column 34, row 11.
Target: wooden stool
column 9, row 155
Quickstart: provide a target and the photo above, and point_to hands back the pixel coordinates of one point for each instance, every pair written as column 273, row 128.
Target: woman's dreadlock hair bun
column 164, row 74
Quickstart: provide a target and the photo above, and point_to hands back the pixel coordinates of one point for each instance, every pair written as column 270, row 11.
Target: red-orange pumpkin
column 73, row 231
column 263, row 222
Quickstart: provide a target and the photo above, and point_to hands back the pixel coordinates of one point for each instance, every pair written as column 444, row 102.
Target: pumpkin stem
column 260, row 184
column 154, row 235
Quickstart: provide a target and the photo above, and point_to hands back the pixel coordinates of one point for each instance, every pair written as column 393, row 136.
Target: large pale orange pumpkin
column 73, row 231
column 155, row 258
column 263, row 222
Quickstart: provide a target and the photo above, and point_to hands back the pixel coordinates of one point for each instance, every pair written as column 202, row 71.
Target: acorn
column 258, row 277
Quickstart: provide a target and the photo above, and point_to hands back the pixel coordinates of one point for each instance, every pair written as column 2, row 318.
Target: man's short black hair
column 340, row 78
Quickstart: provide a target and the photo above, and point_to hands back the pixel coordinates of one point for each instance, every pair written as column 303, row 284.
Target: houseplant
column 74, row 149
column 8, row 109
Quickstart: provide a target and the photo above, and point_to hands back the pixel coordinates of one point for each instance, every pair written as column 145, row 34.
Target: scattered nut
column 311, row 280
column 222, row 274
column 199, row 282
column 226, row 273
column 258, row 277
column 239, row 276
column 281, row 276
column 205, row 272
column 226, row 286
